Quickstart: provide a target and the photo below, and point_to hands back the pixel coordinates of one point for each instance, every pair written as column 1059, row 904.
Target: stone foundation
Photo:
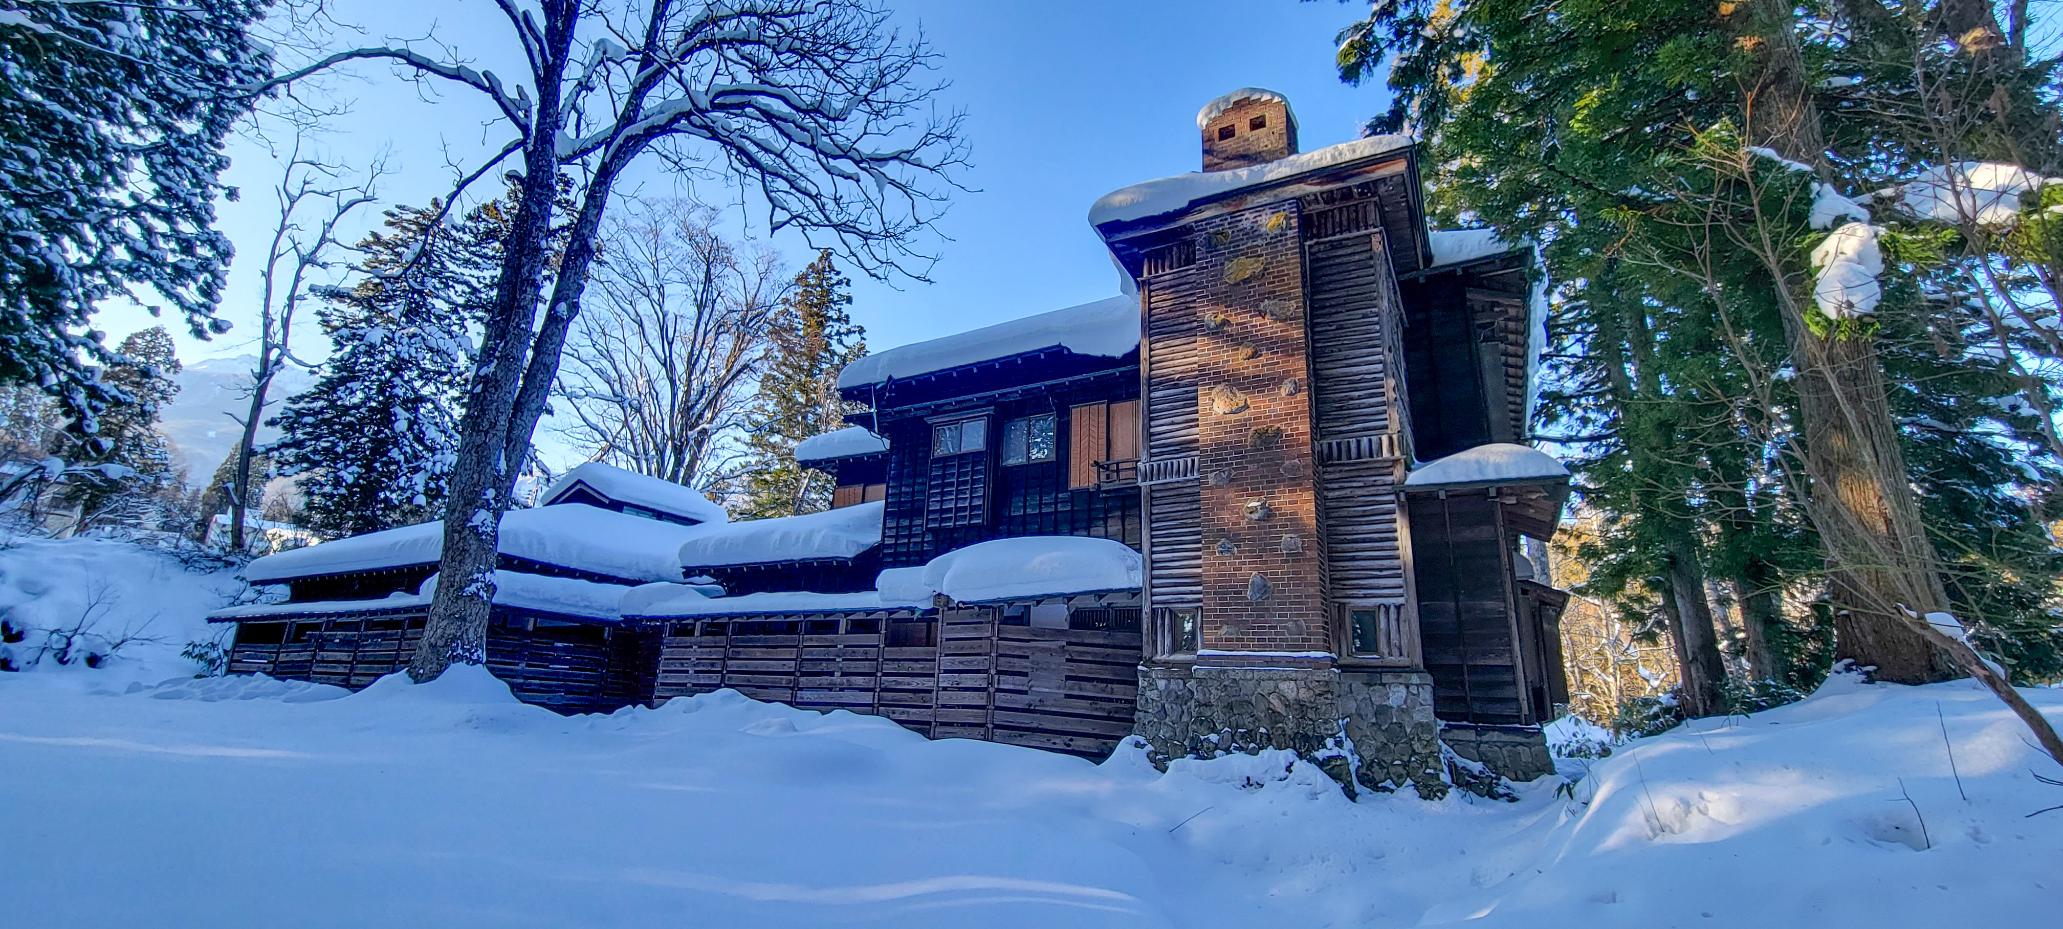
column 1386, row 717
column 1517, row 753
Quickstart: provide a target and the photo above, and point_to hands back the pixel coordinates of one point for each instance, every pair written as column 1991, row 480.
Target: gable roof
column 1170, row 194
column 574, row 536
column 623, row 487
column 1107, row 328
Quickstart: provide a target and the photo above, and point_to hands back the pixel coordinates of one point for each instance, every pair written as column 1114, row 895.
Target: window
column 1225, row 132
column 1367, row 629
column 967, row 435
column 1029, row 439
column 1380, row 632
column 1258, row 122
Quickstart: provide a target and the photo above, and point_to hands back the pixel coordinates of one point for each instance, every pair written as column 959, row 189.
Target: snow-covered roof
column 569, row 535
column 1013, row 569
column 651, row 493
column 1107, row 328
column 1220, row 106
column 564, row 596
column 1496, row 463
column 672, row 601
column 849, row 442
column 1168, row 194
column 1457, row 246
column 837, row 533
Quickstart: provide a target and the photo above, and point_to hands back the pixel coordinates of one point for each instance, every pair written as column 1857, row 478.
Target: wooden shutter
column 846, row 495
column 1088, row 443
column 1124, row 431
column 873, row 492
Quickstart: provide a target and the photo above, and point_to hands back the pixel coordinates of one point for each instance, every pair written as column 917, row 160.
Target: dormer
column 1246, row 127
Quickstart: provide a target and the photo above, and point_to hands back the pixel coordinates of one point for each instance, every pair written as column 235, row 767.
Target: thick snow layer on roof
column 669, row 601
column 1980, row 192
column 1107, row 328
column 1848, row 265
column 840, row 443
column 839, row 533
column 1220, row 106
column 1028, row 566
column 1168, row 194
column 1455, row 246
column 570, row 535
column 562, row 595
column 1496, row 463
column 638, row 490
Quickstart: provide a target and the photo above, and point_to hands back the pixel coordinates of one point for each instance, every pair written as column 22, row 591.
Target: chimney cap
column 1224, row 104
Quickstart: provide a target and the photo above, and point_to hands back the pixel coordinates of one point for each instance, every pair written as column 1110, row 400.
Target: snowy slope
column 452, row 805
column 109, row 590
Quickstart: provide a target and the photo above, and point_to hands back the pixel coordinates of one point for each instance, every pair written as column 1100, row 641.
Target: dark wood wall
column 1467, row 611
column 571, row 668
column 973, row 672
column 936, row 506
column 1443, row 368
column 830, row 576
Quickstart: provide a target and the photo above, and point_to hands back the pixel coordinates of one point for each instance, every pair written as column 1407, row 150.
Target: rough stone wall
column 1248, row 146
column 1391, row 738
column 1263, row 554
column 1515, row 752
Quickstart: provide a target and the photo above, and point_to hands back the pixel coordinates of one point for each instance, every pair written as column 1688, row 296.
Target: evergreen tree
column 112, row 117
column 1618, row 138
column 126, row 444
column 373, row 437
column 813, row 339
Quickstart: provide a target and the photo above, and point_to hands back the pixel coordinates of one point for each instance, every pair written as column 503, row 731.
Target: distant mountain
column 197, row 421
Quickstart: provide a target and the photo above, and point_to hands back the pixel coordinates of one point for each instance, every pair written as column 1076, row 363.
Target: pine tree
column 112, row 117
column 126, row 444
column 814, row 338
column 373, row 437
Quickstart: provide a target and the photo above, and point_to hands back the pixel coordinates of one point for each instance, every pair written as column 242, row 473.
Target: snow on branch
column 516, row 107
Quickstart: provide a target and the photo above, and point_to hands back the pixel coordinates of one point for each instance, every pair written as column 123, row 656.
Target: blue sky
column 1066, row 100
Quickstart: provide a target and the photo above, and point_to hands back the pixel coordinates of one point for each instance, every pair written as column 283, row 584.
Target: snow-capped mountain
column 197, row 420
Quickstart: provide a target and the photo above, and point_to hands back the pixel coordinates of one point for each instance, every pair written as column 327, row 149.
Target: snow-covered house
column 1273, row 495
column 1304, row 422
column 354, row 608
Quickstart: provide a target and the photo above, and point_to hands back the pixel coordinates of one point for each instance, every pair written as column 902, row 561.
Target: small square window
column 1225, row 132
column 1258, row 122
column 1367, row 628
column 967, row 435
column 1028, row 440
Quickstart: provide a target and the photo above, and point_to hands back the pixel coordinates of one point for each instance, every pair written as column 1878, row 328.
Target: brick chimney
column 1248, row 126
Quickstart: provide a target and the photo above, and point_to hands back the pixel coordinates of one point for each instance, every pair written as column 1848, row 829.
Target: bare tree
column 818, row 109
column 678, row 324
column 313, row 198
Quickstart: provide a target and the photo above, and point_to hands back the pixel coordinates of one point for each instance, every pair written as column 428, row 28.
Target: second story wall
column 1023, row 463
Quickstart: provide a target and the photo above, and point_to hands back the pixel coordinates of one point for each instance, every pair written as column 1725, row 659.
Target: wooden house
column 1272, row 496
column 354, row 608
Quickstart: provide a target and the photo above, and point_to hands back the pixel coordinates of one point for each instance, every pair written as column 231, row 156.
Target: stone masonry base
column 1386, row 718
column 1517, row 753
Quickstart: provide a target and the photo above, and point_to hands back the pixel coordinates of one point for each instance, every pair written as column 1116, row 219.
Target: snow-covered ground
column 248, row 802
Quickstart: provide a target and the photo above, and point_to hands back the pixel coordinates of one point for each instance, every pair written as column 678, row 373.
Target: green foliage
column 813, row 338
column 1608, row 134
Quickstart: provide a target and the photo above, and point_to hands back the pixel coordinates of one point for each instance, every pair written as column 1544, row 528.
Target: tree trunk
column 1761, row 617
column 482, row 475
column 1697, row 642
column 240, row 487
column 1881, row 561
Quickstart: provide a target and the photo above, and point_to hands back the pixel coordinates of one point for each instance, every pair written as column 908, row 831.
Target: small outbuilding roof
column 849, row 442
column 624, row 487
column 1107, row 328
column 1496, row 463
column 832, row 534
column 567, row 535
column 538, row 593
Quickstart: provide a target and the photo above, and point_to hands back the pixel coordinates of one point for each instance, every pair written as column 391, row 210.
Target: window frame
column 1003, row 450
column 960, row 423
